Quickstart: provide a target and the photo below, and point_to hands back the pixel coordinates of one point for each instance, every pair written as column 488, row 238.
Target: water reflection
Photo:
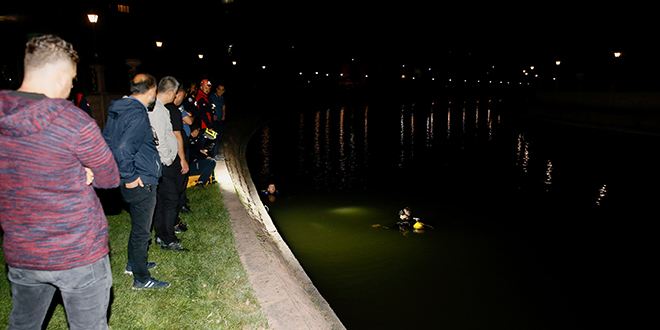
column 429, row 129
column 601, row 194
column 265, row 153
column 355, row 164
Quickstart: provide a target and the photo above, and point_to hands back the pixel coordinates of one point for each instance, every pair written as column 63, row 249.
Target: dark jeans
column 142, row 201
column 85, row 293
column 204, row 168
column 167, row 205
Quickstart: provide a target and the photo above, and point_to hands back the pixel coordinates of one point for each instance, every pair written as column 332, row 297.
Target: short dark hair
column 167, row 84
column 195, row 126
column 142, row 83
column 46, row 49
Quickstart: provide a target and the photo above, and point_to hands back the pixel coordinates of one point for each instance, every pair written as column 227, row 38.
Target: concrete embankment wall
column 637, row 113
column 234, row 144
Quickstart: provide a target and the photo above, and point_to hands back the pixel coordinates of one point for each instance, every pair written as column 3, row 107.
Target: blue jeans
column 204, row 168
column 85, row 292
column 142, row 201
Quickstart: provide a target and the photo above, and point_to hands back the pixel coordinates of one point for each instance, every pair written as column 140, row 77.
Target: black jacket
column 130, row 138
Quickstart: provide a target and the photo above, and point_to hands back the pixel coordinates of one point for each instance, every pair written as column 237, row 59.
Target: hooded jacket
column 52, row 220
column 130, row 137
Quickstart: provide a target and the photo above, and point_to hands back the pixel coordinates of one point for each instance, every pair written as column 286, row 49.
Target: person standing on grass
column 133, row 143
column 218, row 104
column 55, row 230
column 171, row 182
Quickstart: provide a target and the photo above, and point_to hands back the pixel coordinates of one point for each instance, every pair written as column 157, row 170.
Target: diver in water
column 407, row 220
column 271, row 192
column 269, row 195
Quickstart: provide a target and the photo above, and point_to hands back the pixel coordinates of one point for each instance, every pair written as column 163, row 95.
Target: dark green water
column 527, row 217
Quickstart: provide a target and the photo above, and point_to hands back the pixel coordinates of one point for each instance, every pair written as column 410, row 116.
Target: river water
column 530, row 225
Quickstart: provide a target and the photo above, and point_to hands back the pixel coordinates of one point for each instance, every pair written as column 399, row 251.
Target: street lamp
column 94, row 18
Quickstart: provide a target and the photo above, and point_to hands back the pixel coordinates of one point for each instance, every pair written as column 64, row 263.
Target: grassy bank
column 210, row 288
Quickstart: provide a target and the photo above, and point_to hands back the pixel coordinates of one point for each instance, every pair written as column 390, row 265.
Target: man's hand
column 90, row 176
column 135, row 183
column 184, row 166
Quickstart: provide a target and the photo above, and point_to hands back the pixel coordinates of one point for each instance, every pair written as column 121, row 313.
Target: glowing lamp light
column 159, row 44
column 93, row 18
column 617, row 54
column 300, row 73
column 263, row 67
column 531, row 67
column 403, row 76
column 201, row 56
column 233, row 62
column 557, row 62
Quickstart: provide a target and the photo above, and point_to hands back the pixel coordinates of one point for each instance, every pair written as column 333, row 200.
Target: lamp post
column 93, row 19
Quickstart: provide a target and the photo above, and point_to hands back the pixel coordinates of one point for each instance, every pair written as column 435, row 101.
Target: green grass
column 209, row 286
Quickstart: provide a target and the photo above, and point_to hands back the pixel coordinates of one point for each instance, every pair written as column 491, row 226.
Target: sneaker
column 152, row 283
column 174, row 246
column 129, row 268
column 159, row 241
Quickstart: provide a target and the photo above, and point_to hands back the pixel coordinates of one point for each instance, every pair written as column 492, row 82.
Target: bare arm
column 181, row 152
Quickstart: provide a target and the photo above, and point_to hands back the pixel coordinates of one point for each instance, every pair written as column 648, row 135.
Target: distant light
column 366, row 75
column 93, row 18
column 233, row 62
column 201, row 56
column 159, row 44
column 341, row 74
column 327, row 75
column 403, row 76
column 554, row 78
column 531, row 67
column 617, row 54
column 317, row 72
column 301, row 73
column 557, row 62
column 263, row 66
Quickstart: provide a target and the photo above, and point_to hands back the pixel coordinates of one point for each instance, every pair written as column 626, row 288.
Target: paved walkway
column 284, row 298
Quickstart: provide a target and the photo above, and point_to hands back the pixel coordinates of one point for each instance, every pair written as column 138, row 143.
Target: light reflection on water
column 495, row 217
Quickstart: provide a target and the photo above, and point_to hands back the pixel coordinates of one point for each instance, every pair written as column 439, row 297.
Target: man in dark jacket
column 129, row 135
column 52, row 155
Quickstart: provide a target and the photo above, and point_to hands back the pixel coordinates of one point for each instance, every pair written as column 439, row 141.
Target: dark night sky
column 376, row 29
